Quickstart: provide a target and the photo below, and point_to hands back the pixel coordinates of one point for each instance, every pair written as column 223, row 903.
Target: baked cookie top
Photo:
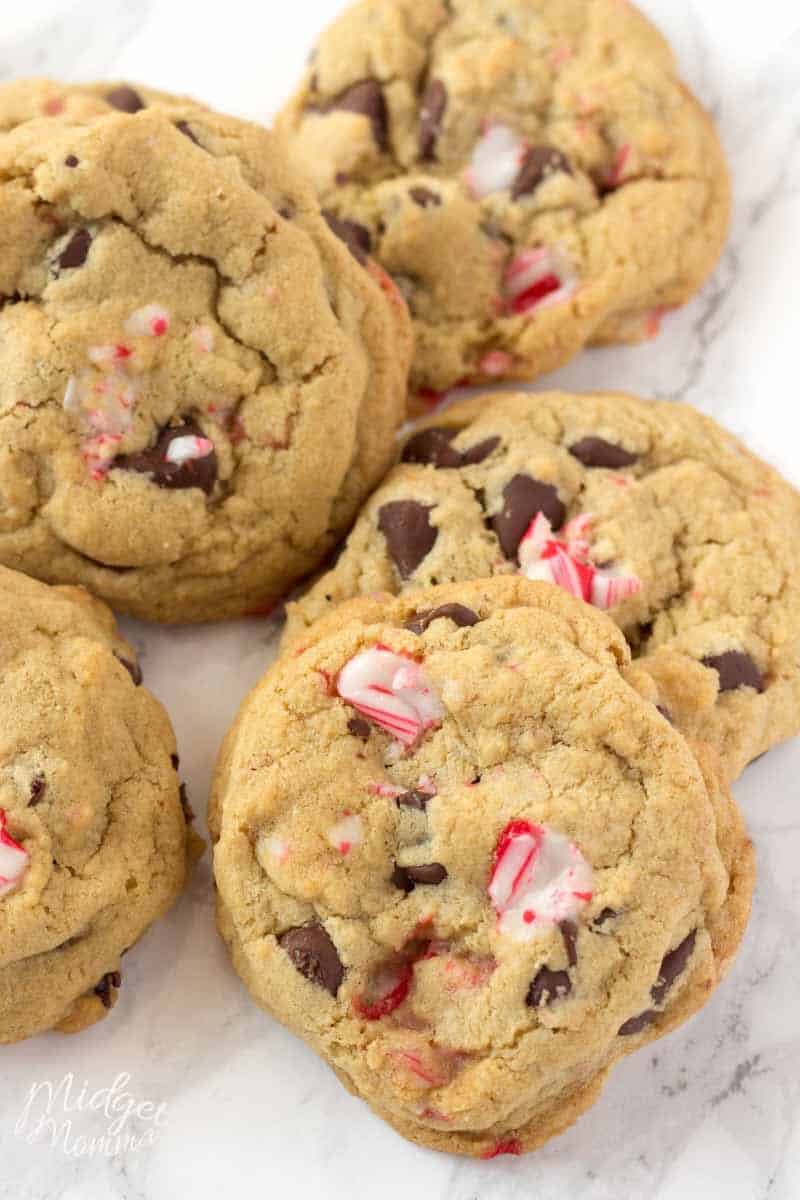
column 649, row 510
column 93, row 837
column 533, row 173
column 199, row 381
column 498, row 869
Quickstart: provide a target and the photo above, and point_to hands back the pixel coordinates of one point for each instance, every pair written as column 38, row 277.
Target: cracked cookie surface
column 533, row 173
column 94, row 843
column 498, row 870
column 649, row 510
column 200, row 382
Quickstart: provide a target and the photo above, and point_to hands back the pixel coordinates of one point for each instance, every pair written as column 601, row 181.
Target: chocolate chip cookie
column 200, row 379
column 533, row 174
column 468, row 863
column 94, row 841
column 648, row 510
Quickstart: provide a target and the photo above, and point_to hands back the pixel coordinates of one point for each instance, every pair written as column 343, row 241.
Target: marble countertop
column 226, row 1100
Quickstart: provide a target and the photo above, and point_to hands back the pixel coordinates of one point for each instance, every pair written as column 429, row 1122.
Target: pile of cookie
column 473, row 833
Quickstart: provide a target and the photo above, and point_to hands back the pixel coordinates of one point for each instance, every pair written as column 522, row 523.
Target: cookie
column 533, row 174
column 468, row 863
column 199, row 380
column 648, row 510
column 94, row 841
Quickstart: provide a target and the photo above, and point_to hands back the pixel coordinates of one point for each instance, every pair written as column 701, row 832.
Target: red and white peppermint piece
column 495, row 363
column 496, row 160
column 537, row 279
column 392, row 691
column 14, row 859
column 539, row 879
column 102, row 401
column 565, row 562
column 278, row 849
column 150, row 321
column 187, row 449
column 346, row 834
column 203, row 338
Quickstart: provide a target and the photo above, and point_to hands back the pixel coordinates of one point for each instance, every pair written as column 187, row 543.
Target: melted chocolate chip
column 637, row 1024
column 186, row 130
column 569, row 934
column 605, row 915
column 314, row 955
column 672, row 966
column 477, row 454
column 424, row 197
column 125, row 99
column 538, row 163
column 359, row 728
column 409, row 534
column 356, row 237
column 407, row 878
column 523, row 498
column 366, row 98
column 71, row 161
column 597, row 452
column 133, row 669
column 665, row 713
column 399, row 878
column 38, row 789
column 194, row 473
column 76, row 250
column 735, row 670
column 432, row 446
column 459, row 614
column 188, row 811
column 414, row 799
column 434, row 106
column 175, row 760
column 548, row 987
column 106, row 987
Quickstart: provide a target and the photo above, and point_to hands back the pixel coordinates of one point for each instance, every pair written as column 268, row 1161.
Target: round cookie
column 499, row 871
column 199, row 381
column 532, row 173
column 649, row 510
column 94, row 841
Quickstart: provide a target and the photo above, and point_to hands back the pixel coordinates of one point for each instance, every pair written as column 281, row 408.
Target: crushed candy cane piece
column 150, row 321
column 564, row 561
column 14, row 859
column 203, row 338
column 346, row 833
column 103, row 403
column 278, row 848
column 537, row 278
column 539, row 879
column 496, row 362
column 510, row 1146
column 614, row 177
column 392, row 691
column 187, row 449
column 496, row 160
column 387, row 992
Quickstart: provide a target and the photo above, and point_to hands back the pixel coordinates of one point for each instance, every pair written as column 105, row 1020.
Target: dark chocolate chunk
column 414, row 799
column 106, row 987
column 597, row 452
column 366, row 98
column 186, row 130
column 71, row 161
column 125, row 99
column 314, row 955
column 188, row 811
column 424, row 197
column 433, row 446
column 76, row 250
column 359, row 728
column 523, row 498
column 459, row 614
column 407, row 878
column 606, row 914
column 193, row 473
column 548, row 987
column 477, row 454
column 735, row 670
column 133, row 669
column 674, row 964
column 569, row 934
column 356, row 237
column 409, row 534
column 538, row 163
column 400, row 878
column 434, row 106
column 38, row 789
column 637, row 1024
column 175, row 760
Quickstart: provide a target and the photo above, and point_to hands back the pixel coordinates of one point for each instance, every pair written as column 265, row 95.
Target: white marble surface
column 710, row 1111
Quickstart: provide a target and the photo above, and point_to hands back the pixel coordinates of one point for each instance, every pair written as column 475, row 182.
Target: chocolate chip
column 193, row 473
column 597, row 452
column 605, row 915
column 477, row 454
column 665, row 713
column 547, row 987
column 539, row 162
column 434, row 106
column 125, row 99
column 735, row 670
column 38, row 789
column 185, row 129
column 71, row 161
column 175, row 760
column 356, row 237
column 569, row 934
column 459, row 614
column 432, row 446
column 399, row 878
column 366, row 98
column 133, row 669
column 76, row 250
column 188, row 811
column 409, row 534
column 637, row 1024
column 105, row 988
column 674, row 964
column 314, row 955
column 407, row 878
column 413, row 799
column 523, row 498
column 359, row 728
column 424, row 197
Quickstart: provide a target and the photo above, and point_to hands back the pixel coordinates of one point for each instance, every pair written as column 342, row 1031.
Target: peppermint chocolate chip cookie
column 93, row 837
column 199, row 381
column 532, row 173
column 650, row 511
column 468, row 863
